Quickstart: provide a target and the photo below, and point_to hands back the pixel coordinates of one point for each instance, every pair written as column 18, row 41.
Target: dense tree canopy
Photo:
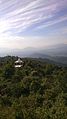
column 38, row 90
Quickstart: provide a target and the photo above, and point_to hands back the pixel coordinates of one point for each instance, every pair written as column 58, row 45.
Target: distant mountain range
column 56, row 53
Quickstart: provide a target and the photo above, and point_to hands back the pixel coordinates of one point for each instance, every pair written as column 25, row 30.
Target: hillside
column 38, row 90
column 54, row 50
column 56, row 53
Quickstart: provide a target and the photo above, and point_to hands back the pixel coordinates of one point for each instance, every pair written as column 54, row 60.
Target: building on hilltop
column 19, row 63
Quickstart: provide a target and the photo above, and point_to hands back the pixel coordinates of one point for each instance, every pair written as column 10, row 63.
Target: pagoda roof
column 19, row 61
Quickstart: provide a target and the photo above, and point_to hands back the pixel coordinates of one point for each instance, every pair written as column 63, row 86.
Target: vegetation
column 38, row 90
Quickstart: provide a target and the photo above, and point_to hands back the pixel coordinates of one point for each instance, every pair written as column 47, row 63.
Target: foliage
column 38, row 90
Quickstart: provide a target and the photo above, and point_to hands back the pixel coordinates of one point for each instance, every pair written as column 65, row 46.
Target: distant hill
column 57, row 53
column 55, row 50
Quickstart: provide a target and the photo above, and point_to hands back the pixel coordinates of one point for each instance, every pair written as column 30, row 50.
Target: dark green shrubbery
column 38, row 90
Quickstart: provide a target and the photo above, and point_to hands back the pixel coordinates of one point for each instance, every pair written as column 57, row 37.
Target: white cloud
column 50, row 23
column 17, row 42
column 18, row 15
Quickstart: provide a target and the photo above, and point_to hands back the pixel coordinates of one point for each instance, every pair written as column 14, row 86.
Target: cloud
column 17, row 42
column 64, row 31
column 51, row 23
column 17, row 16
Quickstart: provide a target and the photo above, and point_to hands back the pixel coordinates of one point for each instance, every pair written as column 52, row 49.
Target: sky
column 32, row 23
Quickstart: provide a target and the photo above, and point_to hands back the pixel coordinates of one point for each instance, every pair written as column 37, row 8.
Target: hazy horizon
column 29, row 23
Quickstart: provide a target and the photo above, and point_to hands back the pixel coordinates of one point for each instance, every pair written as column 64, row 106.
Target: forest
column 37, row 90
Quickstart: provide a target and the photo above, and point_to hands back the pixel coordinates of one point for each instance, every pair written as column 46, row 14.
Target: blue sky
column 32, row 23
